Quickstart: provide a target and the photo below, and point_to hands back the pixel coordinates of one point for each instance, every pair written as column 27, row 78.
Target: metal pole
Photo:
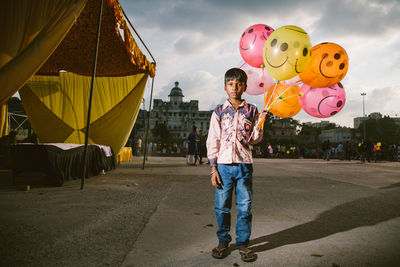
column 148, row 124
column 91, row 95
column 152, row 83
column 363, row 94
column 144, row 113
column 140, row 38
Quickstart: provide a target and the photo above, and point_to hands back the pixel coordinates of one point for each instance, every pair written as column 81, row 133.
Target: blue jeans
column 238, row 176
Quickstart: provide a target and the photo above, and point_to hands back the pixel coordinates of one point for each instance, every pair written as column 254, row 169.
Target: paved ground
column 305, row 213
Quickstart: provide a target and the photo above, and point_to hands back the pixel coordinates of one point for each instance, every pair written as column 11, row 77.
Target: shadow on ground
column 361, row 212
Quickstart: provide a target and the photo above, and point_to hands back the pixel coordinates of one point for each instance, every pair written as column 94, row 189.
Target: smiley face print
column 328, row 65
column 287, row 52
column 322, row 102
column 252, row 44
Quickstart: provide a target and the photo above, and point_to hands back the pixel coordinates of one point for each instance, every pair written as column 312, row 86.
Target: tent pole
column 152, row 83
column 148, row 125
column 140, row 38
column 91, row 94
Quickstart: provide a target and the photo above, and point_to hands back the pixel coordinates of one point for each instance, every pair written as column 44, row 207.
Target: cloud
column 199, row 85
column 195, row 42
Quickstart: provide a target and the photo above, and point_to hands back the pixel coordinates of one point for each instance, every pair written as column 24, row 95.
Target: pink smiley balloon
column 252, row 43
column 255, row 81
column 322, row 102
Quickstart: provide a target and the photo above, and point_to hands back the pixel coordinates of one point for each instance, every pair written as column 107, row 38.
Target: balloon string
column 269, row 100
column 280, row 100
column 260, row 123
column 280, row 95
column 263, row 80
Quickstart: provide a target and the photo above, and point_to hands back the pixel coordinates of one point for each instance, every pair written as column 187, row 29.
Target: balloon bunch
column 291, row 73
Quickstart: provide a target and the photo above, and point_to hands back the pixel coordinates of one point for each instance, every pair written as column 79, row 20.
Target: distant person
column 202, row 146
column 347, row 151
column 138, row 147
column 230, row 155
column 340, row 151
column 326, row 148
column 270, row 151
column 369, row 150
column 192, row 147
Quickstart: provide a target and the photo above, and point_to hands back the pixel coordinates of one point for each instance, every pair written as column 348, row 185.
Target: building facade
column 177, row 115
column 320, row 124
column 374, row 115
column 338, row 135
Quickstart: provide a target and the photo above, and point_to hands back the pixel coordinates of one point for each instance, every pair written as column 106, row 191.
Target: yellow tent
column 62, row 38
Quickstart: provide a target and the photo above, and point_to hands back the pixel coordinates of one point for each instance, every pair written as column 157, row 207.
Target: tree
column 380, row 130
column 309, row 130
column 161, row 132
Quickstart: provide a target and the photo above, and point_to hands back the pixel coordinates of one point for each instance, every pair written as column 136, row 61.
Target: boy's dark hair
column 236, row 73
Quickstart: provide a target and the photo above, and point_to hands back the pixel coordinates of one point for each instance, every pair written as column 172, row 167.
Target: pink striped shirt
column 229, row 131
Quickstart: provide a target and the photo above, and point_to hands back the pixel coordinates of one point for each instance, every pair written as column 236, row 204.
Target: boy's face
column 235, row 89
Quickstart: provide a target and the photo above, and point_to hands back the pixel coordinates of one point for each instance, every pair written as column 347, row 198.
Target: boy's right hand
column 216, row 180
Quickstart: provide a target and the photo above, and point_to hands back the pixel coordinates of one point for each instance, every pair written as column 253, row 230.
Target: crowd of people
column 363, row 151
column 194, row 150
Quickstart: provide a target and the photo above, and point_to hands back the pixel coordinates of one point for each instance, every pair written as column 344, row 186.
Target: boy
column 229, row 153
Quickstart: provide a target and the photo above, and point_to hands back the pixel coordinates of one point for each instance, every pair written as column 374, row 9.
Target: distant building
column 375, row 116
column 320, row 124
column 357, row 121
column 281, row 128
column 337, row 135
column 177, row 115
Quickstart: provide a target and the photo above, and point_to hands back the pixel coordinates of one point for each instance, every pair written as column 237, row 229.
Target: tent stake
column 91, row 95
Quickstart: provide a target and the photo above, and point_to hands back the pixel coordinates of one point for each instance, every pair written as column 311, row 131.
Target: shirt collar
column 228, row 104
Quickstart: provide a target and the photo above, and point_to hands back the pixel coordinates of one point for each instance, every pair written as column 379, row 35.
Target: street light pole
column 363, row 94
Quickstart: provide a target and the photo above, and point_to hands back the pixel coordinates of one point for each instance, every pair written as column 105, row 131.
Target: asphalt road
column 305, row 213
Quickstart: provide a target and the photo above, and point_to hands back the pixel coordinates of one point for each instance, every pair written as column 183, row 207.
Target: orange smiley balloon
column 328, row 65
column 284, row 101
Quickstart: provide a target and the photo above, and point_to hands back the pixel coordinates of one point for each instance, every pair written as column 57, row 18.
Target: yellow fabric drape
column 30, row 32
column 125, row 155
column 4, row 127
column 57, row 107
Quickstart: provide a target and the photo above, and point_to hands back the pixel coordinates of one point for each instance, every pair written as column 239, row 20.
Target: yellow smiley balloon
column 286, row 52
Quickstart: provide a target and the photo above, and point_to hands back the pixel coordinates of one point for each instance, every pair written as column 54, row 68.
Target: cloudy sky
column 196, row 41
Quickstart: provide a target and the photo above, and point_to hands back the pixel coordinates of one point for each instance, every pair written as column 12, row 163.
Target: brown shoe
column 219, row 252
column 247, row 255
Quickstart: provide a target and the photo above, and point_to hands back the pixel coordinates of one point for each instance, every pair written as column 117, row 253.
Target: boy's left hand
column 263, row 114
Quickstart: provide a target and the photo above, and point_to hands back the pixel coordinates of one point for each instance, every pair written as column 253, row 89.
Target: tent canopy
column 59, row 35
column 118, row 53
